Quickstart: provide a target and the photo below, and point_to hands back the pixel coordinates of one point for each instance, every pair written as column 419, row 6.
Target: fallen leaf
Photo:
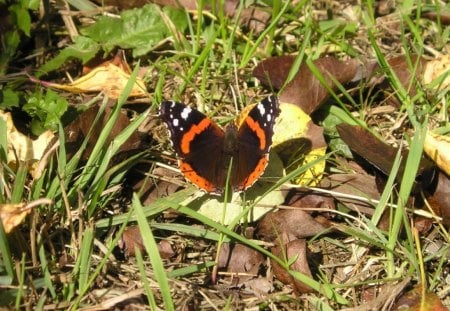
column 436, row 69
column 284, row 224
column 23, row 149
column 108, row 78
column 437, row 147
column 382, row 155
column 84, row 125
column 439, row 200
column 132, row 239
column 12, row 215
column 241, row 261
column 419, row 300
column 406, row 75
column 347, row 188
column 295, row 251
column 298, row 142
column 304, row 90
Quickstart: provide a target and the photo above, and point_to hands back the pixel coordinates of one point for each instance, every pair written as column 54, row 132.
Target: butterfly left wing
column 198, row 142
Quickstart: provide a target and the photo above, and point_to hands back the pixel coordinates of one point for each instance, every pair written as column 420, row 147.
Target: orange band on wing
column 257, row 172
column 189, row 136
column 254, row 126
column 196, row 179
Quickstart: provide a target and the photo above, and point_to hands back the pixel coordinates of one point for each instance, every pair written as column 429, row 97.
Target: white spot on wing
column 261, row 109
column 175, row 122
column 185, row 113
column 269, row 117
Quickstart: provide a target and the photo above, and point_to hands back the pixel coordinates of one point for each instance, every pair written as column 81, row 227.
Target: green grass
column 65, row 253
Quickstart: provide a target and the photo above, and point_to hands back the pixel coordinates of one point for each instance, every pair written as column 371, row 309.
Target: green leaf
column 46, row 110
column 137, row 29
column 8, row 98
column 83, row 49
column 23, row 20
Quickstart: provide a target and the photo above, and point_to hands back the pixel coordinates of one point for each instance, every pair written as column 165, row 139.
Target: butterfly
column 205, row 150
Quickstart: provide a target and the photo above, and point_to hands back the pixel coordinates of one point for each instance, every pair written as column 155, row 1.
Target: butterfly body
column 206, row 151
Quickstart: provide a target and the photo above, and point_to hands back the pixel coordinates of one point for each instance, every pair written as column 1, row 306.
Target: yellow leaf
column 22, row 148
column 439, row 67
column 437, row 147
column 107, row 78
column 12, row 215
column 299, row 141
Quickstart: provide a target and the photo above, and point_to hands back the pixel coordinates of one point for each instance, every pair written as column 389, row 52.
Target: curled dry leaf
column 295, row 251
column 240, row 260
column 23, row 149
column 12, row 215
column 305, row 90
column 108, row 78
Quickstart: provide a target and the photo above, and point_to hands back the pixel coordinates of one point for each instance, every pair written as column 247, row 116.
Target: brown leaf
column 164, row 183
column 284, row 224
column 419, row 300
column 440, row 198
column 132, row 239
column 382, row 156
column 304, row 90
column 240, row 260
column 84, row 124
column 295, row 249
column 441, row 16
column 402, row 70
column 357, row 185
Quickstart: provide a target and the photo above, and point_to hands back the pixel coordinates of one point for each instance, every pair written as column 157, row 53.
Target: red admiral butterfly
column 205, row 150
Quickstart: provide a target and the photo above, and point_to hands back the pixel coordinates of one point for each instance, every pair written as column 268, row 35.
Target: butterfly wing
column 255, row 139
column 198, row 141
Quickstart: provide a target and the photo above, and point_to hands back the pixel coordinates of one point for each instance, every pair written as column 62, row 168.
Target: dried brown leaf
column 293, row 250
column 284, row 224
column 382, row 156
column 419, row 300
column 240, row 260
column 132, row 239
column 84, row 125
column 305, row 90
